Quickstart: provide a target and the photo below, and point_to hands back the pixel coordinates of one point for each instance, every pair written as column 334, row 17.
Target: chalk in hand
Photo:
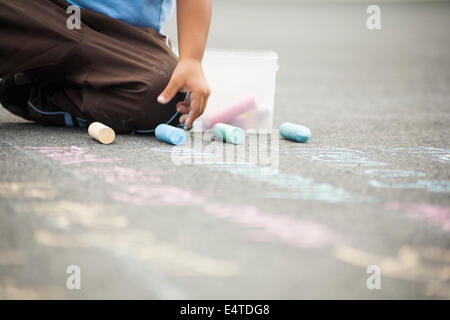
column 101, row 133
column 227, row 133
column 169, row 134
column 295, row 132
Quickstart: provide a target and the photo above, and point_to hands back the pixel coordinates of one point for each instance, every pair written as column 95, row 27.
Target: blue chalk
column 170, row 134
column 295, row 132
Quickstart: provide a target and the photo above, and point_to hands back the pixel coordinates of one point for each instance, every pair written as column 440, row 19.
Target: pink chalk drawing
column 70, row 155
column 434, row 215
column 118, row 174
column 147, row 189
column 268, row 226
column 157, row 195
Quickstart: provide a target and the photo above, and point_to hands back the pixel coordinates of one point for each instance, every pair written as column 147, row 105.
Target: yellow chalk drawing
column 143, row 246
column 26, row 190
column 430, row 265
column 64, row 214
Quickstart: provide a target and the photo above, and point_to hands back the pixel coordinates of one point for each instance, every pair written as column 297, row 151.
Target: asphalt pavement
column 369, row 192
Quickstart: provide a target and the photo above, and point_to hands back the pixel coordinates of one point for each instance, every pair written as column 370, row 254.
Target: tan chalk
column 101, row 133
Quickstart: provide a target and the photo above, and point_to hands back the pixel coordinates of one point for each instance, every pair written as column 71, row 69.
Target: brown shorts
column 108, row 71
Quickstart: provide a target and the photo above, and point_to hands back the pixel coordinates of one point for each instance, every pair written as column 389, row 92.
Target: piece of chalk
column 229, row 113
column 169, row 134
column 295, row 132
column 101, row 133
column 227, row 133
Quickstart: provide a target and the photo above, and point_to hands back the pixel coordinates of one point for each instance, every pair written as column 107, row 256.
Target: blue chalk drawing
column 437, row 153
column 393, row 173
column 295, row 187
column 290, row 186
column 392, row 178
column 442, row 155
column 429, row 185
column 185, row 152
column 337, row 156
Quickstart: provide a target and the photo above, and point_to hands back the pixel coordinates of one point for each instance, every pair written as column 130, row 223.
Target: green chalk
column 227, row 133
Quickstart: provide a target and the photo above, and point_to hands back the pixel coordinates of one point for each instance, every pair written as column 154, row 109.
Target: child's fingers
column 196, row 106
column 170, row 91
column 185, row 103
column 183, row 110
column 205, row 104
column 183, row 118
column 183, row 107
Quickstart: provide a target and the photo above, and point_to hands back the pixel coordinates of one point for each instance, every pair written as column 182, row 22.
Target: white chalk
column 101, row 133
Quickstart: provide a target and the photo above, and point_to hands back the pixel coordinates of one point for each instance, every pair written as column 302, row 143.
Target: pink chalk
column 229, row 113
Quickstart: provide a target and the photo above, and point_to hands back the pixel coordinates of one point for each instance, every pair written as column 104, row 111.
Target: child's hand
column 188, row 77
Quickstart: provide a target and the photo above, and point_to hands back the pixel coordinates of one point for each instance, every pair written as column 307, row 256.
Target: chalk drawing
column 186, row 156
column 157, row 195
column 37, row 190
column 293, row 186
column 392, row 173
column 393, row 179
column 71, row 155
column 421, row 264
column 274, row 227
column 185, row 152
column 65, row 214
column 118, row 174
column 441, row 155
column 434, row 215
column 436, row 153
column 337, row 156
column 147, row 188
column 143, row 246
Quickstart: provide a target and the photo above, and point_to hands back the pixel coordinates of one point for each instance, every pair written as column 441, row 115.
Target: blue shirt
column 140, row 13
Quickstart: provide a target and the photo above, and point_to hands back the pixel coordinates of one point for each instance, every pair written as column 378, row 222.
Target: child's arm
column 194, row 17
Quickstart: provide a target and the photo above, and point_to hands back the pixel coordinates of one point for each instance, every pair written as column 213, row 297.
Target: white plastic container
column 236, row 76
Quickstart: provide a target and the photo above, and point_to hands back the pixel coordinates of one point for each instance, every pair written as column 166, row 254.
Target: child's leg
column 33, row 38
column 108, row 71
column 34, row 35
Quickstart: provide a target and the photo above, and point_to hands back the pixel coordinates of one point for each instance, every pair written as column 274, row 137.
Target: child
column 116, row 69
